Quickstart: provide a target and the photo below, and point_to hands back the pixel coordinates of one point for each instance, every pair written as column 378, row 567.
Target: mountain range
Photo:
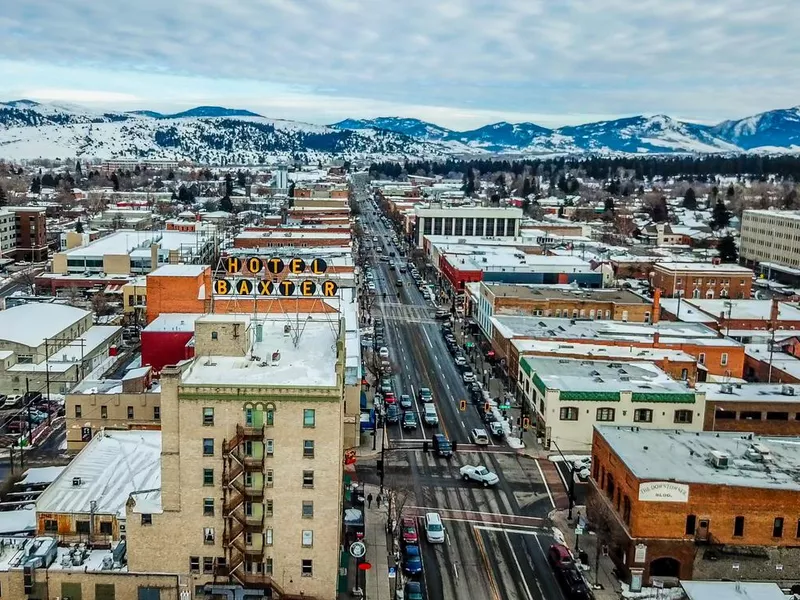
column 218, row 135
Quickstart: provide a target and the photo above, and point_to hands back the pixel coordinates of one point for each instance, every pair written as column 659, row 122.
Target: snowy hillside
column 768, row 130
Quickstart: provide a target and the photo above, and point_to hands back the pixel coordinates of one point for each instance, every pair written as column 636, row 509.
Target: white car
column 383, row 352
column 480, row 437
column 480, row 474
column 584, row 462
column 371, row 286
column 469, row 377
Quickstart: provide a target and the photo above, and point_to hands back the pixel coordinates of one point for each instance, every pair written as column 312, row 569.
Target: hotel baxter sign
column 255, row 265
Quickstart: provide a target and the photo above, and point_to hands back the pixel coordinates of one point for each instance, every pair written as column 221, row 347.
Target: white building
column 466, row 221
column 771, row 238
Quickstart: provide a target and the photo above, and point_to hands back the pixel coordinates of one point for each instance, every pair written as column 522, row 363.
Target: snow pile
column 655, row 593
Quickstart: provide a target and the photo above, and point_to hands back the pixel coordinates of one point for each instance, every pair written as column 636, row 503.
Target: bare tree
column 400, row 493
column 100, row 305
column 74, row 297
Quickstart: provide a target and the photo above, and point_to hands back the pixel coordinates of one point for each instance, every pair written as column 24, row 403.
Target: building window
column 268, row 507
column 268, row 566
column 308, row 479
column 738, row 526
column 147, row 519
column 78, row 411
column 568, row 413
column 82, row 527
column 106, row 527
column 308, row 448
column 268, row 536
column 208, row 535
column 157, row 413
column 208, row 564
column 777, row 416
column 103, row 412
column 307, row 567
column 308, row 538
column 479, row 227
column 208, row 476
column 701, row 358
column 214, row 335
column 605, row 414
column 642, row 415
column 50, row 526
column 269, row 447
column 194, row 564
column 130, row 412
column 797, row 533
column 308, row 509
column 777, row 527
column 270, row 420
column 691, row 523
column 268, row 477
column 208, row 416
column 208, row 507
column 723, row 360
column 208, row 446
column 683, row 416
column 309, row 417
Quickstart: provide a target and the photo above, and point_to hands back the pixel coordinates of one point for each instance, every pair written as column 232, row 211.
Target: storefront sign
column 663, row 491
column 640, row 554
column 253, row 267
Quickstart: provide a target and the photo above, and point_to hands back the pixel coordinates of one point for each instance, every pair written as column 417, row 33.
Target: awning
column 113, row 289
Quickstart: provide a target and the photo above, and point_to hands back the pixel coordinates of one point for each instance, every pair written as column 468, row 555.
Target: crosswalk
column 394, row 311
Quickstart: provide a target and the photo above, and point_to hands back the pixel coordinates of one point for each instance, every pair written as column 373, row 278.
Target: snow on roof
column 680, row 456
column 173, row 322
column 136, row 373
column 130, row 241
column 179, row 271
column 780, row 360
column 29, row 324
column 749, row 310
column 751, row 392
column 323, row 235
column 312, row 362
column 600, row 351
column 18, row 521
column 39, row 475
column 688, row 267
column 95, row 337
column 108, row 469
column 732, row 590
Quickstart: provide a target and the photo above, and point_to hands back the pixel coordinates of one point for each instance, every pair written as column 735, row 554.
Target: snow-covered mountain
column 213, row 134
column 204, row 135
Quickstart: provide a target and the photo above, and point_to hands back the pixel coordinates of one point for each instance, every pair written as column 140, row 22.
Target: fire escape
column 237, row 463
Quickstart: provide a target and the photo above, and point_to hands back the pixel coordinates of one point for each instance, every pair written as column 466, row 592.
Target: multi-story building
column 23, row 233
column 671, row 504
column 252, row 446
column 569, row 397
column 8, row 233
column 466, row 221
column 770, row 239
column 702, row 280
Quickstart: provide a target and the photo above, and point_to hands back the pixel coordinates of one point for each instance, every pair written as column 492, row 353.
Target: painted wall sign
column 663, row 491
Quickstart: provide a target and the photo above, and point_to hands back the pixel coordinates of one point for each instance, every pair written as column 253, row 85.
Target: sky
column 458, row 63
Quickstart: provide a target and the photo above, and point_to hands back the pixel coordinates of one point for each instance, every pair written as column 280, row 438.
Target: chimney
column 656, row 337
column 773, row 314
column 656, row 306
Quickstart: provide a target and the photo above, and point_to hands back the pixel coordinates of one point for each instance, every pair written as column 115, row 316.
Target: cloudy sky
column 460, row 63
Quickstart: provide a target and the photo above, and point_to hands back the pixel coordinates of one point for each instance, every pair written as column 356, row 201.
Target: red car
column 389, row 398
column 408, row 527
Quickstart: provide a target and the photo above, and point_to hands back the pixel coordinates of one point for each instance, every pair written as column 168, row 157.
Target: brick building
column 23, row 233
column 292, row 239
column 673, row 504
column 702, row 280
column 760, row 408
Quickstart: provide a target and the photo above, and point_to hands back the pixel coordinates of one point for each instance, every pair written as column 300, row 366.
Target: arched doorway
column 666, row 566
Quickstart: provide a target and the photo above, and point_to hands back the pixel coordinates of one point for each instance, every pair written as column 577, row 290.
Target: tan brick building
column 696, row 505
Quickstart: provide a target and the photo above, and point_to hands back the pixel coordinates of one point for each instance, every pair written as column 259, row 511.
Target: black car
column 392, row 413
column 441, row 445
column 442, row 314
column 574, row 585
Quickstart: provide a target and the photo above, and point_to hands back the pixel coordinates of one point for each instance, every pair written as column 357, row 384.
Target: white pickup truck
column 479, row 474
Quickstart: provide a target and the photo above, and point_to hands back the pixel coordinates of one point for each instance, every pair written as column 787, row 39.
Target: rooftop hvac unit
column 787, row 390
column 726, row 388
column 719, row 460
column 76, row 481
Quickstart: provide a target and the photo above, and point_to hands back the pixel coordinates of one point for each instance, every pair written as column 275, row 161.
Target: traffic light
column 462, row 405
column 486, row 407
column 526, row 422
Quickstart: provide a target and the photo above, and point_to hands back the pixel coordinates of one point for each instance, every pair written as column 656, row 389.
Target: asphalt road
column 496, row 537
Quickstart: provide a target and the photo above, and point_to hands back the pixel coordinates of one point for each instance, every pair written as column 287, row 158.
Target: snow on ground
column 654, row 593
column 570, row 458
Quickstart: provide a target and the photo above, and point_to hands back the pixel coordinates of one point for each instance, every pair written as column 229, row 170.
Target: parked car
column 408, row 529
column 468, row 376
column 442, row 315
column 559, row 557
column 383, row 352
column 461, row 362
column 412, row 561
column 389, row 398
column 392, row 414
column 386, row 385
column 434, row 528
column 413, row 591
column 496, row 428
column 574, row 585
column 409, row 420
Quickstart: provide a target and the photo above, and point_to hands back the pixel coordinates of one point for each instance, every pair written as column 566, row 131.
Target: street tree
column 690, row 199
column 720, row 215
column 728, row 252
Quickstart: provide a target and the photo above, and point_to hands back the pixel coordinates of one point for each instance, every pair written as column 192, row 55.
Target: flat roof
column 751, row 392
column 780, row 360
column 29, row 324
column 688, row 267
column 576, row 375
column 183, row 322
column 681, row 456
column 599, row 351
column 782, row 214
column 179, row 271
column 126, row 241
column 107, row 471
column 733, row 590
column 294, row 234
column 310, row 362
column 563, row 292
column 745, row 309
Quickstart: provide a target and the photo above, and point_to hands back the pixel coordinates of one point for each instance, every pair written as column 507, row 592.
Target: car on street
column 398, row 283
column 559, row 557
column 386, row 367
column 386, row 385
column 409, row 420
column 408, row 530
column 468, row 376
column 574, row 585
column 442, row 446
column 389, row 398
column 405, row 401
column 496, row 428
column 413, row 591
column 425, row 394
column 392, row 414
column 384, row 258
column 383, row 352
column 434, row 528
column 582, row 463
column 412, row 561
column 479, row 437
column 460, row 361
column 402, row 269
column 480, row 474
column 442, row 315
column 371, row 286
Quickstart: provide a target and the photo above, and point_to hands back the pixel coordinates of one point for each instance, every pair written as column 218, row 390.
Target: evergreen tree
column 171, row 175
column 609, row 204
column 527, row 190
column 731, row 192
column 291, row 189
column 79, row 227
column 184, row 195
column 241, row 179
column 174, row 196
column 3, row 197
column 78, row 170
column 790, row 200
column 36, row 185
column 226, row 204
column 115, row 181
column 690, row 200
column 727, row 250
column 661, row 210
column 720, row 216
column 48, row 180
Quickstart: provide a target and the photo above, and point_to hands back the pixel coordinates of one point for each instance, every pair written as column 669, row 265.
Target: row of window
column 266, row 568
column 778, row 524
column 131, row 412
column 480, row 227
column 754, row 415
column 267, row 509
column 640, row 415
column 309, row 414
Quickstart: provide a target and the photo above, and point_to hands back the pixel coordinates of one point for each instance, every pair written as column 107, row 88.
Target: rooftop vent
column 719, row 460
column 287, row 329
column 787, row 390
column 76, row 482
column 726, row 388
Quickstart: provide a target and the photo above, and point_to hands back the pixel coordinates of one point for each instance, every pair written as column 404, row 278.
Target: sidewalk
column 378, row 584
column 587, row 542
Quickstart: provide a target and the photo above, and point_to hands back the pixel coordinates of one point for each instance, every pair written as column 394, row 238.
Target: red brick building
column 674, row 505
column 31, row 226
column 760, row 408
column 702, row 280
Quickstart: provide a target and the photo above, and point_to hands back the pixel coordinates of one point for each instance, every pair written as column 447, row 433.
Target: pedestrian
column 369, row 500
column 378, row 500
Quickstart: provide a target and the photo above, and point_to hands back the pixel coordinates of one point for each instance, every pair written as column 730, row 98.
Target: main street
column 497, row 537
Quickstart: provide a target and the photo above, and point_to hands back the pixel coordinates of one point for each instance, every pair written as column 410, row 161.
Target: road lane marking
column 544, row 481
column 519, row 566
column 561, row 476
column 455, row 570
column 486, row 566
column 430, row 345
column 509, row 530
